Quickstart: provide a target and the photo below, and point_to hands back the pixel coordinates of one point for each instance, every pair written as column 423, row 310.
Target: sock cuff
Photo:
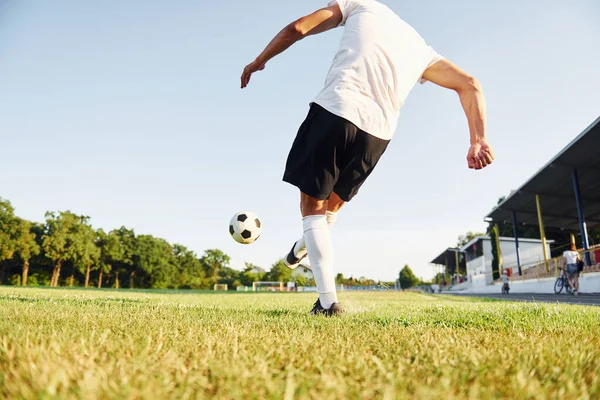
column 314, row 222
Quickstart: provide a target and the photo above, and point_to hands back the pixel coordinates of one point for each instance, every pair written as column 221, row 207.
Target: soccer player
column 352, row 119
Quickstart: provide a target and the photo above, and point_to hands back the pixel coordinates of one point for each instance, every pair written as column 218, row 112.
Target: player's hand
column 249, row 70
column 480, row 155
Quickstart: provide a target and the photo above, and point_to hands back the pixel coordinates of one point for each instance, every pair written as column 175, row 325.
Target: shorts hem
column 345, row 198
column 318, row 196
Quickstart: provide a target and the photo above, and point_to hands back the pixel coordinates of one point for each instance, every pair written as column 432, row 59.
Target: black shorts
column 331, row 154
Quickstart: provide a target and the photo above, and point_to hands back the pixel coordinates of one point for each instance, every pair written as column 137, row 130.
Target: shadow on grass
column 279, row 312
column 71, row 300
column 120, row 290
column 469, row 299
column 142, row 290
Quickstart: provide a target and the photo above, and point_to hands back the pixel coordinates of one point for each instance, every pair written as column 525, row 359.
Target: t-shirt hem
column 351, row 120
column 423, row 80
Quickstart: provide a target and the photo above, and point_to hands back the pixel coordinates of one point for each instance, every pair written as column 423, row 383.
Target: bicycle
column 562, row 282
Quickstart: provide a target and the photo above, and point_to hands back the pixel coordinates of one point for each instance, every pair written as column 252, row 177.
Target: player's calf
column 298, row 252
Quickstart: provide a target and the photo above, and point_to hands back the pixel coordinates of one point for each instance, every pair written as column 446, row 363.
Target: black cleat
column 291, row 261
column 333, row 311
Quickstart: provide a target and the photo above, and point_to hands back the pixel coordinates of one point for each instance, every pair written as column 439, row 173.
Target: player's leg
column 312, row 165
column 334, row 205
column 298, row 251
column 319, row 246
column 329, row 161
column 360, row 156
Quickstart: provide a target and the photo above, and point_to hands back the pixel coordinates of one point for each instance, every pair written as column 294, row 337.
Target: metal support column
column 457, row 268
column 516, row 235
column 582, row 227
column 542, row 233
column 446, row 269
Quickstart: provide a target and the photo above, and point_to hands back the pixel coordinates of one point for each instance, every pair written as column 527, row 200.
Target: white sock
column 331, row 217
column 300, row 247
column 320, row 254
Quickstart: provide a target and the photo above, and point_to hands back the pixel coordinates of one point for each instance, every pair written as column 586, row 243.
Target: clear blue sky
column 130, row 112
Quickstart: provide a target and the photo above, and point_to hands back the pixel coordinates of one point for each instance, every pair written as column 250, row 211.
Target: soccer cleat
column 333, row 311
column 290, row 260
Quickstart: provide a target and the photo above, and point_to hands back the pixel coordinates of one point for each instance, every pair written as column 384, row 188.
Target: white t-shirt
column 379, row 61
column 504, row 278
column 571, row 256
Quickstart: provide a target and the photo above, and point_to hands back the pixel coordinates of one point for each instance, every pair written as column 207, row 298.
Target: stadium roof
column 554, row 184
column 502, row 239
column 441, row 259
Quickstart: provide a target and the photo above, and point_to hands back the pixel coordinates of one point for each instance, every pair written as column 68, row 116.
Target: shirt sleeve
column 434, row 57
column 346, row 6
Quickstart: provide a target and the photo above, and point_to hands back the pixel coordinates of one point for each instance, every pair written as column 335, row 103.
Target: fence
column 537, row 270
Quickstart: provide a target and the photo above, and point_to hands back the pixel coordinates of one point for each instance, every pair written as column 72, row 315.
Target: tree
column 213, row 260
column 407, row 278
column 37, row 253
column 152, row 260
column 301, row 280
column 26, row 247
column 85, row 250
column 251, row 273
column 110, row 252
column 229, row 276
column 60, row 239
column 191, row 274
column 467, row 237
column 121, row 258
column 9, row 232
column 279, row 273
column 494, row 235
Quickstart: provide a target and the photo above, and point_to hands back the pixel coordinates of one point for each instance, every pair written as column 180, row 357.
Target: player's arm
column 446, row 74
column 317, row 22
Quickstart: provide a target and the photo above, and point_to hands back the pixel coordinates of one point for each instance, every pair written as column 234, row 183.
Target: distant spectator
column 572, row 258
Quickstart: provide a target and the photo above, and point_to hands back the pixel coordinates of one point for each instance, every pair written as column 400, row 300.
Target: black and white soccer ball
column 245, row 227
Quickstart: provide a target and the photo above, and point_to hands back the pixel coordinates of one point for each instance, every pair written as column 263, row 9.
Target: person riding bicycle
column 572, row 258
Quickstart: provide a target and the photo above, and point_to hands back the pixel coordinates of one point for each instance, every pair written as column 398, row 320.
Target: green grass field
column 129, row 345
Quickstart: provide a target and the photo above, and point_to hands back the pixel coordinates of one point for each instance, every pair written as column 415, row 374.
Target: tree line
column 65, row 250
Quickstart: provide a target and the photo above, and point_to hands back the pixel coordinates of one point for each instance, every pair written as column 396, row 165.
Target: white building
column 478, row 253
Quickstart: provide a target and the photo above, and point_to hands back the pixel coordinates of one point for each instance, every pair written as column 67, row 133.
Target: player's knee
column 311, row 206
column 335, row 203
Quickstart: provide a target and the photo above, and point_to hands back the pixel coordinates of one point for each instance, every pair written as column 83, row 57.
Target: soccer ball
column 245, row 227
